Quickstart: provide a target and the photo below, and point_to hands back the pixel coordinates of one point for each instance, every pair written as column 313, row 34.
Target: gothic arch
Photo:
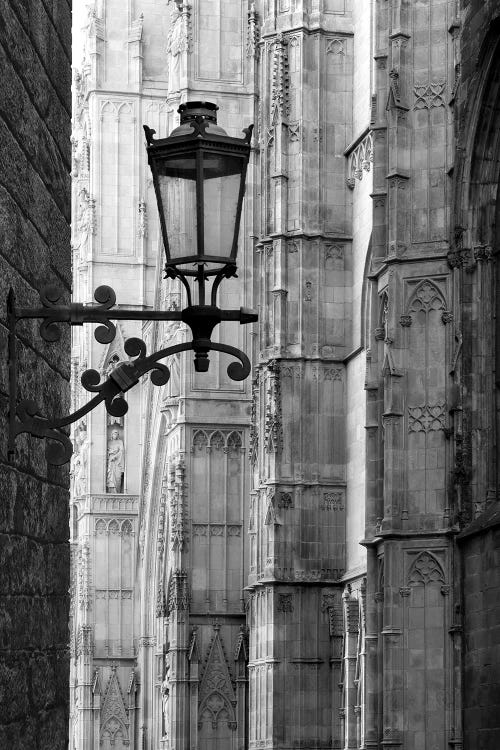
column 108, row 108
column 200, row 440
column 124, row 108
column 101, row 526
column 475, row 250
column 426, row 297
column 113, row 731
column 234, row 441
column 217, row 440
column 217, row 708
column 478, row 171
column 126, row 528
column 426, row 569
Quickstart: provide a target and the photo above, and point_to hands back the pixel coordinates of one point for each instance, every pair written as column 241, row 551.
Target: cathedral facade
column 307, row 559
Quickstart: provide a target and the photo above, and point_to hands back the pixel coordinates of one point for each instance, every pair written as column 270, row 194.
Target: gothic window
column 216, row 489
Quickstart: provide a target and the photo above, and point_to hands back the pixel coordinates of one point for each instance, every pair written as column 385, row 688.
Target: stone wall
column 477, row 177
column 481, row 560
column 35, row 111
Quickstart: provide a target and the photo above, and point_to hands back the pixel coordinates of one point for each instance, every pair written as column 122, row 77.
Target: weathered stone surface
column 480, row 547
column 34, row 238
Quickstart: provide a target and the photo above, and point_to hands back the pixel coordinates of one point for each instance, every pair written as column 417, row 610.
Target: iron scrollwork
column 25, row 415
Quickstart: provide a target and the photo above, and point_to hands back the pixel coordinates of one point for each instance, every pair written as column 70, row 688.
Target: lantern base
column 201, row 362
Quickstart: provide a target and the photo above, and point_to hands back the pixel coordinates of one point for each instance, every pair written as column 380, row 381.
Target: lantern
column 199, row 179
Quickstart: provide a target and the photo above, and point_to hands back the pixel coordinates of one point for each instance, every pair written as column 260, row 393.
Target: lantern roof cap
column 198, row 112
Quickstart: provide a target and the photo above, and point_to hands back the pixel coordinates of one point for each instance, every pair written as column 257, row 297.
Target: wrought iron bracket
column 25, row 415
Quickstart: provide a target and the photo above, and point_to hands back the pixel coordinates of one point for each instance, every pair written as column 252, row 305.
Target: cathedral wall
column 35, row 161
column 480, row 546
column 476, row 467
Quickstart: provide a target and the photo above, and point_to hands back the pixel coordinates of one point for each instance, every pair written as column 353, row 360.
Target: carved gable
column 114, row 716
column 217, row 698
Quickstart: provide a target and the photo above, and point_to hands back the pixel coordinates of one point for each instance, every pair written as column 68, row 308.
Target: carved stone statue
column 85, row 224
column 79, row 461
column 116, row 463
column 177, row 42
column 165, row 696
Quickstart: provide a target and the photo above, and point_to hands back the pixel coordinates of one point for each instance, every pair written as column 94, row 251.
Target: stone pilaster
column 303, row 265
column 411, row 354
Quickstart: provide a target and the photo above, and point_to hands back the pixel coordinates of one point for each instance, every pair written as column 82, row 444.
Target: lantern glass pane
column 221, row 186
column 177, row 182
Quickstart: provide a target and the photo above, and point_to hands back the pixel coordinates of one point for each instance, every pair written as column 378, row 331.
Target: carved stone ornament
column 360, row 160
column 429, row 95
column 115, row 460
column 280, row 84
column 483, row 252
column 335, row 46
column 426, row 569
column 176, row 493
column 253, row 32
column 294, row 132
column 327, row 601
column 394, row 101
column 426, row 418
column 114, row 716
column 285, row 603
column 333, row 500
column 285, row 500
column 179, row 39
column 334, row 253
column 217, row 699
column 178, row 591
column 270, row 518
column 273, row 429
column 461, row 257
column 85, row 641
column 426, row 297
column 84, row 576
column 142, row 228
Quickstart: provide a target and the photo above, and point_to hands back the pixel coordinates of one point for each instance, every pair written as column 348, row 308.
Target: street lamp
column 203, row 169
column 200, row 170
column 204, row 166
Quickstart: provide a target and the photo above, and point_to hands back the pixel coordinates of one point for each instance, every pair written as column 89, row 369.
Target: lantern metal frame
column 25, row 415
